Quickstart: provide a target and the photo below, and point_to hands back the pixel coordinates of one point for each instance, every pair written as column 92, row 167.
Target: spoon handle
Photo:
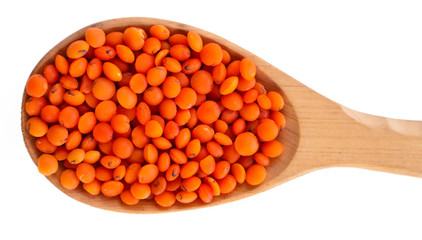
column 377, row 143
column 338, row 136
column 331, row 135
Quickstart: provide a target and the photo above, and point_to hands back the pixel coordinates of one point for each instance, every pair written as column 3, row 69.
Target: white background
column 366, row 55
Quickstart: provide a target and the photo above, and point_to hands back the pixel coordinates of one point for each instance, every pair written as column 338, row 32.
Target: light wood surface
column 319, row 134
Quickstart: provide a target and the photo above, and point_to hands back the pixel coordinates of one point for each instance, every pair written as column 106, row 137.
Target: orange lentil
column 112, row 72
column 85, row 172
column 103, row 174
column 245, row 85
column 120, row 123
column 160, row 56
column 222, row 139
column 246, row 144
column 229, row 116
column 137, row 156
column 261, row 159
column 221, row 126
column 140, row 190
column 186, row 197
column 36, row 85
column 74, row 97
column 193, row 118
column 125, row 53
column 61, row 64
column 77, row 49
column 233, row 69
column 160, row 32
column 112, row 188
column 91, row 156
column 183, row 116
column 150, row 153
column 134, row 37
column 114, row 38
column 47, row 164
column 226, row 57
column 264, row 101
column 267, row 130
column 172, row 172
column 50, row 113
column 74, row 139
column 126, row 97
column 229, row 85
column 172, row 65
column 211, row 54
column 222, row 168
column 171, row 87
column 195, row 41
column 230, row 154
column 167, row 109
column 86, row 85
column 132, row 173
column 138, row 83
column 165, row 199
column 122, row 147
column 232, row 101
column 202, row 82
column 189, row 169
column 213, row 184
column 186, row 98
column 190, row 184
column 277, row 101
column 238, row 172
column 144, row 62
column 214, row 149
column 163, row 162
column 147, row 173
column 105, row 53
column 227, row 184
column 203, row 132
column 191, row 66
column 153, row 96
column 219, row 73
column 78, row 67
column 159, row 185
column 69, row 179
column 180, row 52
column 93, row 188
column 138, row 136
column 127, row 197
column 249, row 112
column 44, row 145
column 103, row 88
column 193, row 148
column 279, row 119
column 207, row 164
column 208, row 112
column 95, row 37
column 178, row 39
column 272, row 148
column 178, row 156
column 255, row 174
column 205, row 193
column 103, row 132
column 183, row 79
column 34, row 105
column 105, row 110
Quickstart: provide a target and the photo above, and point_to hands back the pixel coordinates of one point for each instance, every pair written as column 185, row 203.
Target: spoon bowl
column 319, row 133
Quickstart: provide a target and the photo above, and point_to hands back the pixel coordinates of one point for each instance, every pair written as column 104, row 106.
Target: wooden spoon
column 319, row 134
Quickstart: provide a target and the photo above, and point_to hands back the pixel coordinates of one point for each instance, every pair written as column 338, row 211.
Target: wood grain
column 319, row 134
